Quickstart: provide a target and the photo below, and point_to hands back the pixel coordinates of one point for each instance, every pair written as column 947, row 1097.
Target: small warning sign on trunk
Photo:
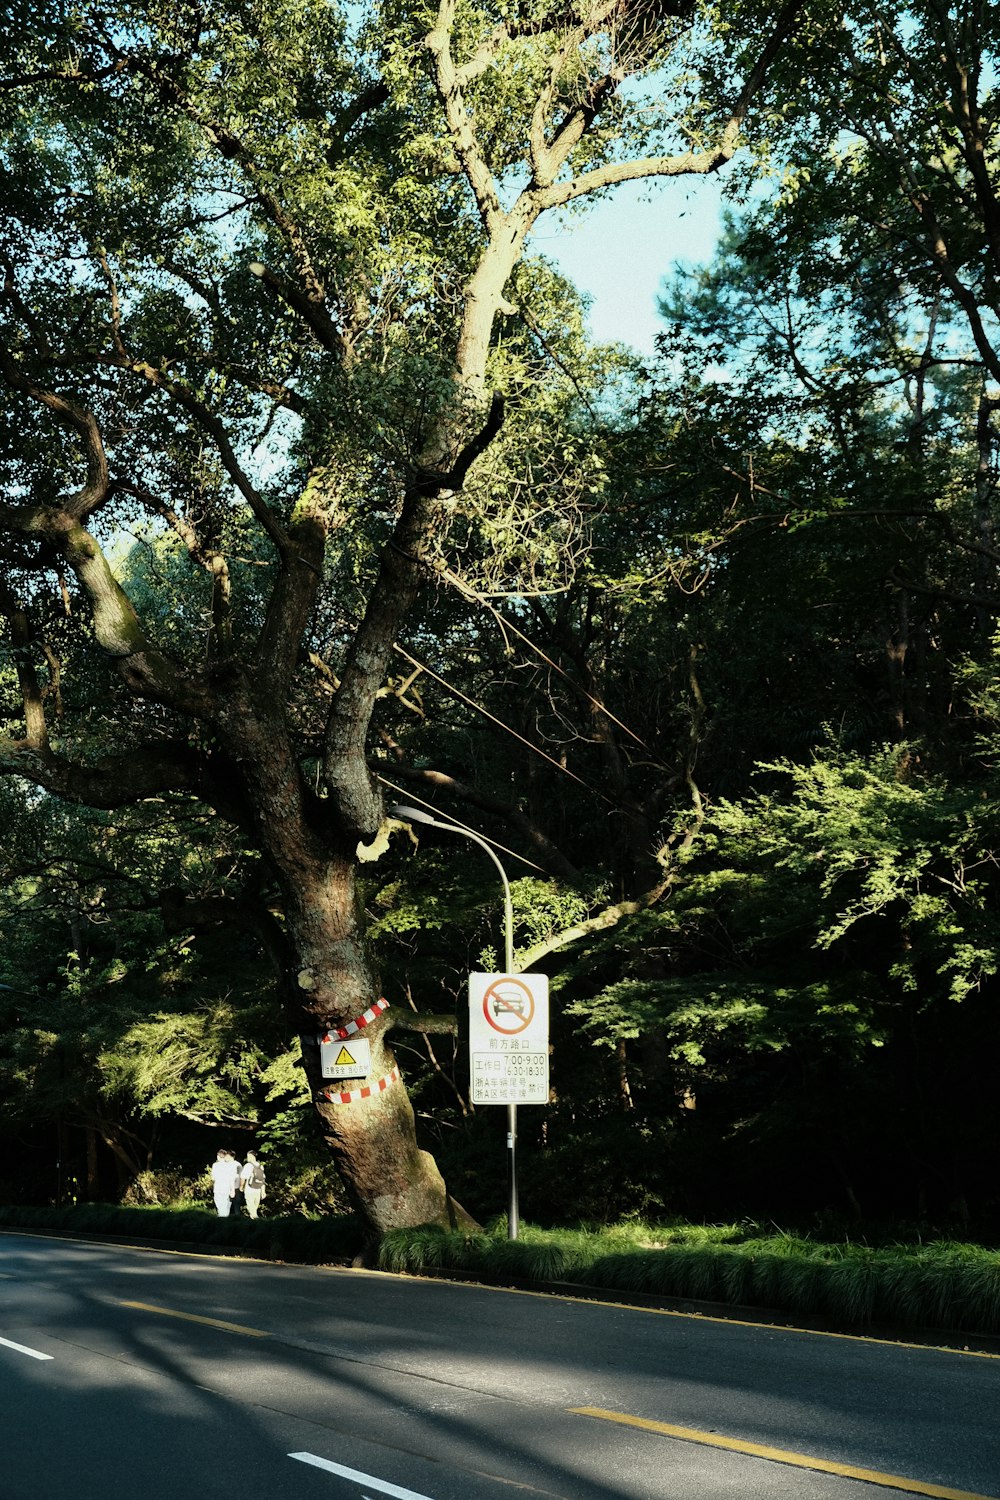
column 339, row 1059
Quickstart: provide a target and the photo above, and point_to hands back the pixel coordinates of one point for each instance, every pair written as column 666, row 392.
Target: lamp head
column 411, row 814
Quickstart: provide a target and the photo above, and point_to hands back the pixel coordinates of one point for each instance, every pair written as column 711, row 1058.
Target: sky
column 620, row 249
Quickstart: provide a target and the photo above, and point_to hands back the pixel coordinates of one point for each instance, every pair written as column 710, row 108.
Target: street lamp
column 415, row 815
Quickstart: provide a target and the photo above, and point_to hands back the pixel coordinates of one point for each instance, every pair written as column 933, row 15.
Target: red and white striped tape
column 353, row 1096
column 358, row 1025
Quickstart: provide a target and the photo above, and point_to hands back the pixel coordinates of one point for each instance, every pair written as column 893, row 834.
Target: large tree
column 256, row 272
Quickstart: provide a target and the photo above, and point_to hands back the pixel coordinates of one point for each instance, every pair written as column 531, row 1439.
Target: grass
column 940, row 1284
column 936, row 1285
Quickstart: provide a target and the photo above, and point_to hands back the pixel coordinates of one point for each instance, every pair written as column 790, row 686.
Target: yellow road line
column 169, row 1312
column 780, row 1455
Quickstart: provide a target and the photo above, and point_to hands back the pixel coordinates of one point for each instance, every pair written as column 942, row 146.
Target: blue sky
column 620, row 249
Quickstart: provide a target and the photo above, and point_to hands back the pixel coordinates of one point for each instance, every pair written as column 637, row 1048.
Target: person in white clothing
column 253, row 1182
column 225, row 1171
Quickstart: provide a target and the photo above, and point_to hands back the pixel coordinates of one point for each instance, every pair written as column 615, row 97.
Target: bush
column 942, row 1286
column 168, row 1188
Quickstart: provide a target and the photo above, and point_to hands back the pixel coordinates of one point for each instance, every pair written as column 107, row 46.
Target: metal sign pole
column 513, row 1223
column 513, row 1219
column 415, row 815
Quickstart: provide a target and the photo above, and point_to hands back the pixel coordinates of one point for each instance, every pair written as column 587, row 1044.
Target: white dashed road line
column 369, row 1480
column 23, row 1349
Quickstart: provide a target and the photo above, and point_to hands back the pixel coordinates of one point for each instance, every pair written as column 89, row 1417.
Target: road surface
column 130, row 1374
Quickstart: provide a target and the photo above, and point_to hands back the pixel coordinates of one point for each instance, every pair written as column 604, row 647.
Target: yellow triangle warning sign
column 344, row 1059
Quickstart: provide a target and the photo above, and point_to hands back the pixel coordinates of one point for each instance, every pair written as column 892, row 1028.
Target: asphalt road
column 149, row 1375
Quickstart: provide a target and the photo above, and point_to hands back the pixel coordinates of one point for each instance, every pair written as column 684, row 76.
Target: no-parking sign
column 509, row 1038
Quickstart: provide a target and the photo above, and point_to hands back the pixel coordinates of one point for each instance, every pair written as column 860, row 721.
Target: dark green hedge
column 291, row 1238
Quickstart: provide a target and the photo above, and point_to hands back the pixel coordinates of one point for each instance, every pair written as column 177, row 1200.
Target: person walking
column 253, row 1182
column 225, row 1175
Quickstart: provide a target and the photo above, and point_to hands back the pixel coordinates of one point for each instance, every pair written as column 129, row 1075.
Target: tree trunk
column 391, row 1182
column 327, row 978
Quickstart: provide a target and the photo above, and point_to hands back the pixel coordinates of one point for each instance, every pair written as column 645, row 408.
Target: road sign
column 340, row 1059
column 509, row 1038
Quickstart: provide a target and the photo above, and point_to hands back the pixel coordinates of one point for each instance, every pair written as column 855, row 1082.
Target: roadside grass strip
column 781, row 1455
column 169, row 1312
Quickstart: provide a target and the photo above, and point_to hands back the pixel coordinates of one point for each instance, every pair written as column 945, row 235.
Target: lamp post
column 415, row 815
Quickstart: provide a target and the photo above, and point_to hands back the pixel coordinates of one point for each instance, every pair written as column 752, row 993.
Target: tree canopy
column 317, row 497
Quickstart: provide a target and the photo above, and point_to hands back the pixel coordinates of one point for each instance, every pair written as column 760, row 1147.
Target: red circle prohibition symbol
column 509, row 1006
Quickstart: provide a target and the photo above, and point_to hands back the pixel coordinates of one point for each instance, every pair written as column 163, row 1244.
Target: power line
column 409, row 793
column 505, row 625
column 463, row 698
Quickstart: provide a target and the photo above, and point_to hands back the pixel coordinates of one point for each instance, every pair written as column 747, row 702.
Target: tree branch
column 312, row 312
column 209, row 558
column 685, row 162
column 477, row 173
column 182, row 914
column 35, row 728
column 212, row 424
column 608, row 918
column 75, row 419
column 233, row 148
column 114, row 781
column 426, row 1023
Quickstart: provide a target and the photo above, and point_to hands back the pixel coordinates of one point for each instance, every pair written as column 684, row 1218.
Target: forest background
column 703, row 641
